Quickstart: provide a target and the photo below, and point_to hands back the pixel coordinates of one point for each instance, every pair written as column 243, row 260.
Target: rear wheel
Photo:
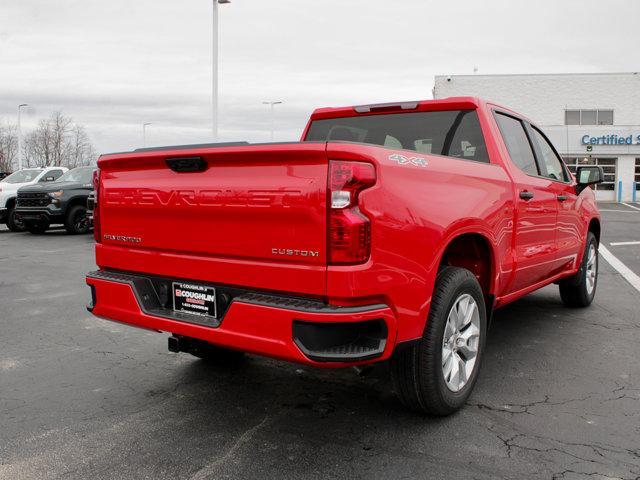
column 37, row 228
column 76, row 221
column 437, row 375
column 13, row 223
column 580, row 290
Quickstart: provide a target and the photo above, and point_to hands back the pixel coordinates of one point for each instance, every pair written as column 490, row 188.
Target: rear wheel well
column 594, row 227
column 473, row 252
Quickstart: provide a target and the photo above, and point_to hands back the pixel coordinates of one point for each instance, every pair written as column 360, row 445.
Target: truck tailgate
column 247, row 206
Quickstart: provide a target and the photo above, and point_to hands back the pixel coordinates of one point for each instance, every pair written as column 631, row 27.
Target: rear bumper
column 291, row 329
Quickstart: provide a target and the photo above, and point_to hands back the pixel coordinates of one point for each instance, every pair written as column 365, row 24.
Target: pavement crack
column 519, row 408
column 209, row 469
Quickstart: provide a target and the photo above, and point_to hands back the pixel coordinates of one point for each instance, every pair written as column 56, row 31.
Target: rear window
column 453, row 133
column 80, row 175
column 23, row 176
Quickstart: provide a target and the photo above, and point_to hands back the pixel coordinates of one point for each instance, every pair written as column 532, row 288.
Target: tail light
column 97, row 232
column 349, row 230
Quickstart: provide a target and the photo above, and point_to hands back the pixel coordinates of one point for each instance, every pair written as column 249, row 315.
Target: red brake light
column 97, row 233
column 349, row 230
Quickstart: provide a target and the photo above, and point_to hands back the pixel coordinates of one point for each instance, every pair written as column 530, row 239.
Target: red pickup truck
column 390, row 232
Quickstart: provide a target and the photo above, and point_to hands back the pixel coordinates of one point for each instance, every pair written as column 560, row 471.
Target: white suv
column 9, row 187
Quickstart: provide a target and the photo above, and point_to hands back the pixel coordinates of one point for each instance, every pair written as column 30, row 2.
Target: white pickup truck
column 9, row 188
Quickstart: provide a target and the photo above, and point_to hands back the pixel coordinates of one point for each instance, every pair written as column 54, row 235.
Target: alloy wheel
column 80, row 222
column 591, row 272
column 460, row 342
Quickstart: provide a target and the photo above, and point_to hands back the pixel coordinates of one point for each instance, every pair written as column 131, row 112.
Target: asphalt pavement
column 558, row 395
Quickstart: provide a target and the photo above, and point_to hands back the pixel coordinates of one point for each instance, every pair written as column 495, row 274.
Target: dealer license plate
column 194, row 299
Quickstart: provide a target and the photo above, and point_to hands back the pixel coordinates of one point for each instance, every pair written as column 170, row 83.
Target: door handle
column 526, row 195
column 562, row 198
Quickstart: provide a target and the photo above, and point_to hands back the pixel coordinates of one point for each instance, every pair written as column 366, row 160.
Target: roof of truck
column 448, row 103
column 445, row 103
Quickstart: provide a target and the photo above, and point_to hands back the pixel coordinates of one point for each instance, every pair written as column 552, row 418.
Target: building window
column 588, row 117
column 605, row 117
column 572, row 117
column 637, row 177
column 609, row 166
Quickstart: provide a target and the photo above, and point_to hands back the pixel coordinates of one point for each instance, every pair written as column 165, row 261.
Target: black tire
column 37, row 228
column 76, row 221
column 14, row 224
column 577, row 291
column 417, row 370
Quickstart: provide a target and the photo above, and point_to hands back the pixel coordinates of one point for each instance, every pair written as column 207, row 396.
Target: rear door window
column 452, row 133
column 55, row 174
column 517, row 143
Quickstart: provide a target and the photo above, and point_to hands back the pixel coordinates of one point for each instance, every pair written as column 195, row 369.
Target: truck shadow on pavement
column 519, row 338
column 522, row 334
column 514, row 332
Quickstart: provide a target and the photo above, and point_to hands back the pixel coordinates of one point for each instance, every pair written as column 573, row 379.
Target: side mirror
column 588, row 175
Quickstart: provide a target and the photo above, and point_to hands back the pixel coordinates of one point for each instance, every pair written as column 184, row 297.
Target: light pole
column 144, row 133
column 214, row 69
column 272, row 115
column 20, row 136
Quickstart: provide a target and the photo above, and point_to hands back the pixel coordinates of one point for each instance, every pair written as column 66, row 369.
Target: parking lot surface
column 558, row 395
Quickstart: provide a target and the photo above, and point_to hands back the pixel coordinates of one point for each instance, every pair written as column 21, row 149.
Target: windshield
column 23, row 176
column 80, row 175
column 453, row 133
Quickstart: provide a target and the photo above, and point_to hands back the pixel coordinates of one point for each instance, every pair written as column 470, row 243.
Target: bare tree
column 38, row 145
column 60, row 129
column 8, row 147
column 81, row 150
column 58, row 141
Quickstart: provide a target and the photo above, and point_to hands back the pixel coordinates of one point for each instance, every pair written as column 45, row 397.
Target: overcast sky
column 114, row 64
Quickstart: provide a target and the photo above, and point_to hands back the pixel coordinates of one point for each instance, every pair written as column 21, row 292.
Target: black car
column 61, row 202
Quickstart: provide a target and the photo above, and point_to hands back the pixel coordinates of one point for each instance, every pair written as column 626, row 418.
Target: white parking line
column 617, row 211
column 622, row 269
column 630, row 206
column 615, row 244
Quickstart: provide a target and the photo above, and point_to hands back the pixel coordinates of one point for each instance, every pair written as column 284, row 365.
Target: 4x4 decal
column 402, row 160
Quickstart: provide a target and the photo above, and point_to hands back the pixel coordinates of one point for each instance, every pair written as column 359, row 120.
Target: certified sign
column 611, row 139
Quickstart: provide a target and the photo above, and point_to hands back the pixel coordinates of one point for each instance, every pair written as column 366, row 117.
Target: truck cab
column 61, row 202
column 9, row 187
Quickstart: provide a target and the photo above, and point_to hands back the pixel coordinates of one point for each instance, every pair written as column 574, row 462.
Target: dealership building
column 592, row 119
